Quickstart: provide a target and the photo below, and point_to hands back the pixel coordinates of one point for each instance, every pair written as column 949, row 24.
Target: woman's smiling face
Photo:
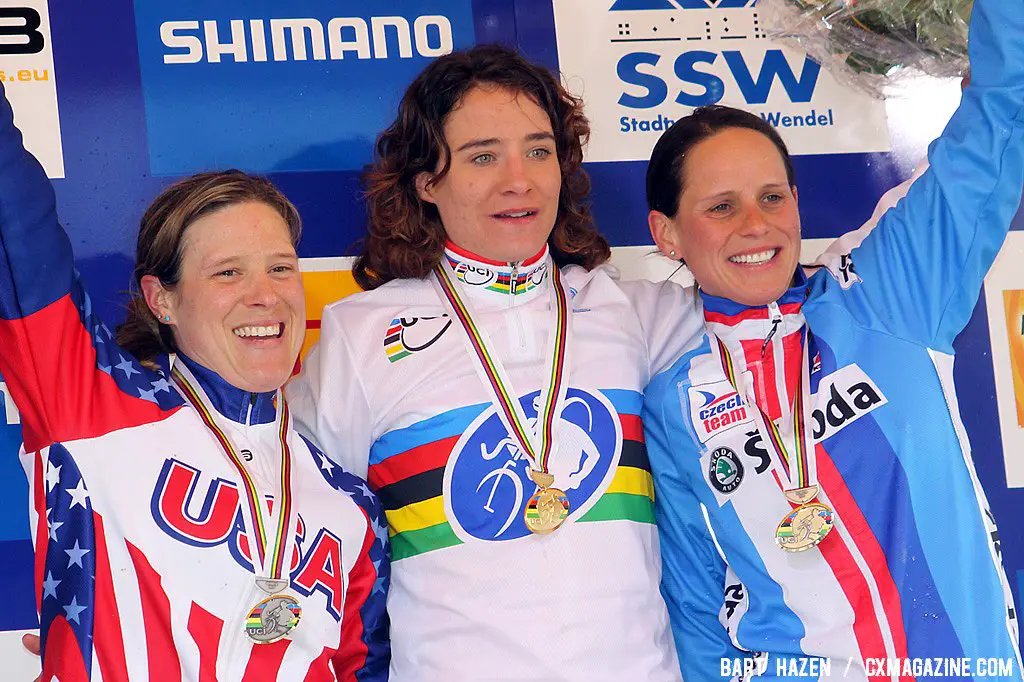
column 737, row 227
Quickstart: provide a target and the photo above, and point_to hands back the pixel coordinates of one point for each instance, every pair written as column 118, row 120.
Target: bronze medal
column 804, row 527
column 803, row 495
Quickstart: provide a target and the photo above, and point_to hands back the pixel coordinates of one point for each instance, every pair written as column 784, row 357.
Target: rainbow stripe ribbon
column 272, row 564
column 798, row 464
column 537, row 446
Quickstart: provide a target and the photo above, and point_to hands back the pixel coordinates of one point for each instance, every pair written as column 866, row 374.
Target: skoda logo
column 725, row 470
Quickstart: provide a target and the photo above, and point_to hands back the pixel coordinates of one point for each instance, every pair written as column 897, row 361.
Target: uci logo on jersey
column 486, row 485
column 407, row 335
column 841, row 267
column 715, row 408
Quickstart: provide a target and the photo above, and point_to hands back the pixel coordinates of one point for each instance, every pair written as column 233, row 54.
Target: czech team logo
column 486, row 485
column 725, row 470
column 715, row 408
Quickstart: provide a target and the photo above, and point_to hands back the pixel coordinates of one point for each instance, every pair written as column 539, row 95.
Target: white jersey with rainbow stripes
column 474, row 594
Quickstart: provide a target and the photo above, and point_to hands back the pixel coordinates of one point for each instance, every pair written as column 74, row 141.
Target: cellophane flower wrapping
column 869, row 43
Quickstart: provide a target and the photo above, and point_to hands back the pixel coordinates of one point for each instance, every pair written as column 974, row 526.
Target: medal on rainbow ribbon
column 548, row 507
column 811, row 520
column 275, row 616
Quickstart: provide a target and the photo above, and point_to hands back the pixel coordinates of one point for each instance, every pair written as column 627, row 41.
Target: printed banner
column 642, row 64
column 1013, row 301
column 269, row 86
column 326, row 280
column 1004, row 296
column 26, row 71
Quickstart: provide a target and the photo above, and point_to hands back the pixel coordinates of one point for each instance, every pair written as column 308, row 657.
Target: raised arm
column 66, row 375
column 919, row 272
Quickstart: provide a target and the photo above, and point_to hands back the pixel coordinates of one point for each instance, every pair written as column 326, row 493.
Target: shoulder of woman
column 399, row 293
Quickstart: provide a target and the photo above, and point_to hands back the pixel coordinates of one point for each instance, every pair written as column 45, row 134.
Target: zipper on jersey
column 248, row 414
column 513, row 276
column 517, row 334
column 776, row 318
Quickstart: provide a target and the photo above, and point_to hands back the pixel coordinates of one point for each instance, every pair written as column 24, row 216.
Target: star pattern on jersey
column 68, row 587
column 129, row 375
column 325, row 464
column 379, row 551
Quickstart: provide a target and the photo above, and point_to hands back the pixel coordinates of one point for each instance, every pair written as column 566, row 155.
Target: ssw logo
column 19, row 31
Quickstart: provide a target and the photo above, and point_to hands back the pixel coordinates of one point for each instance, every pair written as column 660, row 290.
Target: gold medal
column 546, row 510
column 548, row 507
column 542, row 478
column 804, row 527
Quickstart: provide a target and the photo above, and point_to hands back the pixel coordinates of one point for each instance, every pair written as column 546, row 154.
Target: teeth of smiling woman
column 754, row 258
column 516, row 214
column 271, row 330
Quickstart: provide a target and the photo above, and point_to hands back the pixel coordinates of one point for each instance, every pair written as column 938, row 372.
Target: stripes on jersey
column 407, row 469
column 526, row 280
column 80, row 607
column 95, row 365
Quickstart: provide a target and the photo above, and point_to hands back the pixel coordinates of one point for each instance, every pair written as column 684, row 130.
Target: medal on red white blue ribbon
column 811, row 520
column 275, row 616
column 548, row 507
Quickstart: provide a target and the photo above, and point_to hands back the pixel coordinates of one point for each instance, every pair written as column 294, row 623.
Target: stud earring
column 167, row 318
column 672, row 253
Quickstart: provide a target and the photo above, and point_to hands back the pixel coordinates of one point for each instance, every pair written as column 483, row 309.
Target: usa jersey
column 475, row 595
column 143, row 569
column 911, row 571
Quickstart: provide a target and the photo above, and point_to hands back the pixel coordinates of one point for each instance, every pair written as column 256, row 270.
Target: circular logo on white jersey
column 486, row 485
column 725, row 470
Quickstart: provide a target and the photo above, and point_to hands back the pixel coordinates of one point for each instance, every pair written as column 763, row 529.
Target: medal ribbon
column 797, row 465
column 259, row 523
column 537, row 447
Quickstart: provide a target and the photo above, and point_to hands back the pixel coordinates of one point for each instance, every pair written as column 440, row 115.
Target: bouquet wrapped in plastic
column 864, row 41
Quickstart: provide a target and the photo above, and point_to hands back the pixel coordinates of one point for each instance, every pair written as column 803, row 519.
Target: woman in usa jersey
column 183, row 529
column 815, row 492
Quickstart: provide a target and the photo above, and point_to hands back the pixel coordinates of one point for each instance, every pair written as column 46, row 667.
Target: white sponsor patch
column 716, row 408
column 26, row 71
column 843, row 397
column 641, row 64
column 840, row 266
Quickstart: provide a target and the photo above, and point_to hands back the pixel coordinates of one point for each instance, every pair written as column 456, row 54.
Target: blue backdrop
column 133, row 122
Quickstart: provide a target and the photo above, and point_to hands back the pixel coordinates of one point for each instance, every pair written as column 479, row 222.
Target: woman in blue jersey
column 818, row 508
column 183, row 529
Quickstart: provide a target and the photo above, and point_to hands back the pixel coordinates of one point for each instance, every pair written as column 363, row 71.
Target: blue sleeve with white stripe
column 922, row 268
column 693, row 572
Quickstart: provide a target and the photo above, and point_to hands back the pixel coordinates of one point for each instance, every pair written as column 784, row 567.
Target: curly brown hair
column 405, row 237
